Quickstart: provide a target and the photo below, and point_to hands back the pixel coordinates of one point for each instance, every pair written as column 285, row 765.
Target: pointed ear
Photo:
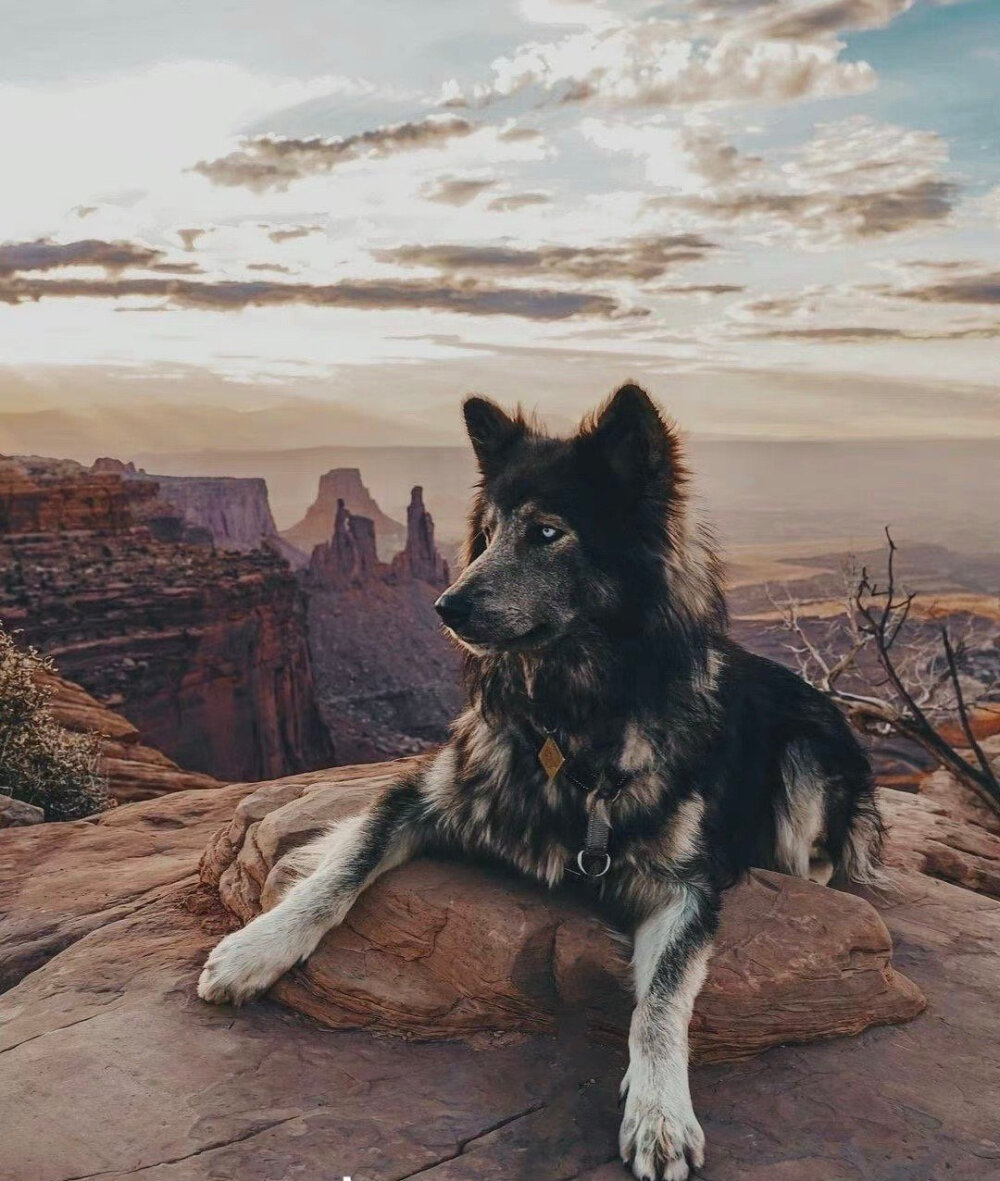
column 492, row 432
column 631, row 438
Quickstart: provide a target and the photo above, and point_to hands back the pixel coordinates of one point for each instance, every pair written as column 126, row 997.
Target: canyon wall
column 234, row 510
column 203, row 650
column 41, row 496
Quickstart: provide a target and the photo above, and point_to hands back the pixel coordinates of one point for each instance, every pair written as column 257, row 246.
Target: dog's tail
column 861, row 856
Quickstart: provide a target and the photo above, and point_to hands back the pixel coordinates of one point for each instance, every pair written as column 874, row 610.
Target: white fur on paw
column 245, row 964
column 660, row 1144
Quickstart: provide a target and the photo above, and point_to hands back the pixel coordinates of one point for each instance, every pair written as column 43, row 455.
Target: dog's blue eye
column 546, row 533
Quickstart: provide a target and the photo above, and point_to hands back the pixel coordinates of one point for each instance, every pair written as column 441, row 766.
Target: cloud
column 466, row 298
column 514, row 201
column 189, row 237
column 274, row 162
column 806, row 21
column 854, row 313
column 854, row 180
column 290, row 233
column 829, row 217
column 662, row 62
column 689, row 159
column 982, row 287
column 862, row 333
column 516, row 134
column 641, row 259
column 45, row 255
column 699, row 289
column 456, row 190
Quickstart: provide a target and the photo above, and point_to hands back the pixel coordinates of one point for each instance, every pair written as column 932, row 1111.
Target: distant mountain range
column 119, row 429
column 757, row 492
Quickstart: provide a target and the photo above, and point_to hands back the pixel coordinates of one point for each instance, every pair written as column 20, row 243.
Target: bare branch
column 913, row 685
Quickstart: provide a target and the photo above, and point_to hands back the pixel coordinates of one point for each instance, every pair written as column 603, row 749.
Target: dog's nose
column 454, row 609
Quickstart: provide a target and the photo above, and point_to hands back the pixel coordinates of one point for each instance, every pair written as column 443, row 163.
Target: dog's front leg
column 660, row 1137
column 343, row 861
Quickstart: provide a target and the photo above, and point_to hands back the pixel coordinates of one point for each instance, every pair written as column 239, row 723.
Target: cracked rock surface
column 110, row 1067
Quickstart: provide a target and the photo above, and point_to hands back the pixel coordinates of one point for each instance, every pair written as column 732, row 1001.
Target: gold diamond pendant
column 551, row 757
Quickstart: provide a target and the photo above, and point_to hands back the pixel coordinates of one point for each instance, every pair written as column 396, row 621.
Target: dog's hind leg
column 346, row 860
column 660, row 1137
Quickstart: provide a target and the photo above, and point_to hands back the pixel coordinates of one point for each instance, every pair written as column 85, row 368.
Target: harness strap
column 594, row 859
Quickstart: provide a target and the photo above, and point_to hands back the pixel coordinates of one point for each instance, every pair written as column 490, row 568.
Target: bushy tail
column 861, row 857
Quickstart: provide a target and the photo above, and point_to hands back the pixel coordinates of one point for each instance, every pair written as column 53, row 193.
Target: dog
column 615, row 737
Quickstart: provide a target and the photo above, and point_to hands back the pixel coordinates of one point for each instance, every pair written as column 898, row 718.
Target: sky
column 781, row 216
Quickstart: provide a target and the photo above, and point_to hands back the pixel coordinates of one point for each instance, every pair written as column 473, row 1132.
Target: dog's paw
column 245, row 964
column 660, row 1142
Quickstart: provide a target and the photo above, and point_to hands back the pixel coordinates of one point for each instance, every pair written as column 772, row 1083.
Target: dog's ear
column 631, row 438
column 492, row 432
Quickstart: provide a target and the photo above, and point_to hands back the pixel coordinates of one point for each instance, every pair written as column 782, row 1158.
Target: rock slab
column 17, row 814
column 443, row 950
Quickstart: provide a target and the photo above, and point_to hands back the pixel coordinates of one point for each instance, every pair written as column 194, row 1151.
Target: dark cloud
column 457, row 190
column 981, row 288
column 467, row 298
column 514, row 135
column 43, row 255
column 189, row 237
column 806, row 20
column 274, row 162
column 643, row 259
column 275, row 267
column 698, row 289
column 290, row 233
column 830, row 214
column 177, row 268
column 859, row 334
column 514, row 201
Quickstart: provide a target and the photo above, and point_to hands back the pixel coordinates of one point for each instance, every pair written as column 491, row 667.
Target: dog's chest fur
column 497, row 800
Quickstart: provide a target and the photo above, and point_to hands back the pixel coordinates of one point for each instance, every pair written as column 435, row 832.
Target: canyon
column 387, row 679
column 203, row 649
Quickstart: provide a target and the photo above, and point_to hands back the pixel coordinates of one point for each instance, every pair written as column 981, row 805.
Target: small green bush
column 40, row 762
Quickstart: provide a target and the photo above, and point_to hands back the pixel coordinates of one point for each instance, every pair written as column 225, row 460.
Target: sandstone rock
column 420, row 559
column 17, row 814
column 191, row 1092
column 344, row 484
column 440, row 950
column 134, row 771
column 234, row 510
column 60, row 881
column 349, row 558
column 46, row 495
column 107, row 463
column 958, row 801
column 926, row 837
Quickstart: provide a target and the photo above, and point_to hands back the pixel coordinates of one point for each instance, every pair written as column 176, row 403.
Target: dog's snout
column 454, row 609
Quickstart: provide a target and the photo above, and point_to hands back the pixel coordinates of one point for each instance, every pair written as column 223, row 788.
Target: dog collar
column 594, row 859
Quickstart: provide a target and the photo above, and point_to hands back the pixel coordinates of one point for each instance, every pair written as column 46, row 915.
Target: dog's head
column 566, row 535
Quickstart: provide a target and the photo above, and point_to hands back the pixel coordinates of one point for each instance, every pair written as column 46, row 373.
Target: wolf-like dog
column 615, row 737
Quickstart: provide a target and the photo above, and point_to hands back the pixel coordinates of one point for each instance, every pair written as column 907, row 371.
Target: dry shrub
column 40, row 762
